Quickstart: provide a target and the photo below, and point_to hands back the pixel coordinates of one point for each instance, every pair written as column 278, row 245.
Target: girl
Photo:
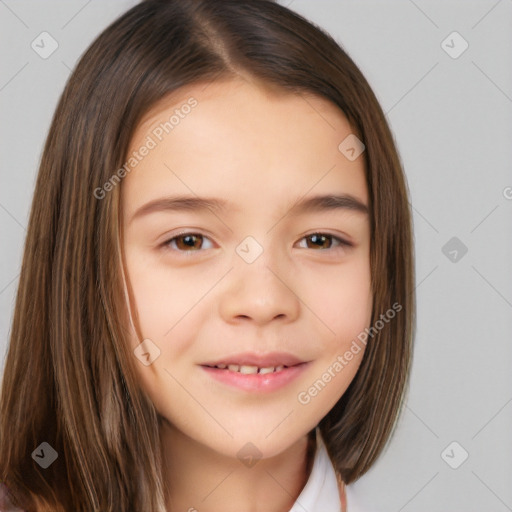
column 215, row 309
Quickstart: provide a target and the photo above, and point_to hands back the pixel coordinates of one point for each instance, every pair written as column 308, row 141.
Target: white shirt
column 320, row 494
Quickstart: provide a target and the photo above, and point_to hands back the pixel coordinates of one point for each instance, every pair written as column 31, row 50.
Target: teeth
column 250, row 370
column 247, row 370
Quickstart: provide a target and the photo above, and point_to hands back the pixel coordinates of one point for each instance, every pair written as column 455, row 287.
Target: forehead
column 253, row 145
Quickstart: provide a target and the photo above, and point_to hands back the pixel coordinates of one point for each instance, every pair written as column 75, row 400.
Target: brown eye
column 317, row 240
column 186, row 242
column 324, row 241
column 189, row 242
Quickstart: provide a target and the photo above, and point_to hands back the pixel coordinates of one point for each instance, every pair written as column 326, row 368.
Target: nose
column 259, row 292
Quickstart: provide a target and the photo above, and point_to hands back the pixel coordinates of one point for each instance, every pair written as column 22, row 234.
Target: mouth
column 257, row 373
column 249, row 369
column 259, row 361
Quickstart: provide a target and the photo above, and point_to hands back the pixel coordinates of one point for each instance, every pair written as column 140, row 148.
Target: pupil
column 189, row 240
column 317, row 239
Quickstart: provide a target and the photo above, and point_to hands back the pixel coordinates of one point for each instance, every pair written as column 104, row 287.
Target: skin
column 261, row 150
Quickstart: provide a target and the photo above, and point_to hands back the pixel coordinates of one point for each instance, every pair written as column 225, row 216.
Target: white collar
column 321, row 494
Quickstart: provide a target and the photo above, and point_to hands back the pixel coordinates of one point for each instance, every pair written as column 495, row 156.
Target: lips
column 260, row 361
column 256, row 373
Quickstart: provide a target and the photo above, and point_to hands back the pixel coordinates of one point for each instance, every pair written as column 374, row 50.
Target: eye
column 191, row 242
column 186, row 242
column 318, row 240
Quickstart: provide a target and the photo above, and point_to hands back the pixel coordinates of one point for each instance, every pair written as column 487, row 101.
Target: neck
column 200, row 479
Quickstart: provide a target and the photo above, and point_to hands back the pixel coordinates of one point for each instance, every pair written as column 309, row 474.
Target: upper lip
column 270, row 359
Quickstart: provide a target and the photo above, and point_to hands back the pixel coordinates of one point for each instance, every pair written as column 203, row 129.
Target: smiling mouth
column 249, row 369
column 256, row 373
column 251, row 363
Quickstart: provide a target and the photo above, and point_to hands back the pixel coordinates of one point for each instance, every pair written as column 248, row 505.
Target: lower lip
column 255, row 381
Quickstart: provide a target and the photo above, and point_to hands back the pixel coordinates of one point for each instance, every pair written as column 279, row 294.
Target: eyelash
column 341, row 242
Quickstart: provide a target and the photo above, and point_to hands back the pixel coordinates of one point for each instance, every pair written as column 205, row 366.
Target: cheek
column 162, row 298
column 343, row 303
column 345, row 307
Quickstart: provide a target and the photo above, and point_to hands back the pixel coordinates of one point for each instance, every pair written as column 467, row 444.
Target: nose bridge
column 258, row 284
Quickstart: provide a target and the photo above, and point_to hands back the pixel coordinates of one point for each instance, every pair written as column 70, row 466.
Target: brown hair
column 69, row 376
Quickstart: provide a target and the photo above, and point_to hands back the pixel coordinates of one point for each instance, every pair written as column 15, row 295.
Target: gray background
column 452, row 119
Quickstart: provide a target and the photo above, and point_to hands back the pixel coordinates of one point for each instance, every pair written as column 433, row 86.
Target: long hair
column 69, row 377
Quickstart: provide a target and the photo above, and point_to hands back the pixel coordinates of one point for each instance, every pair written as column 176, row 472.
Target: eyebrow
column 319, row 203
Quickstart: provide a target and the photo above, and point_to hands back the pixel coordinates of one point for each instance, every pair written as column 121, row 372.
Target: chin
column 263, row 440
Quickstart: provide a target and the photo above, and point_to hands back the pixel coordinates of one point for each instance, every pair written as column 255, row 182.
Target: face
column 247, row 301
